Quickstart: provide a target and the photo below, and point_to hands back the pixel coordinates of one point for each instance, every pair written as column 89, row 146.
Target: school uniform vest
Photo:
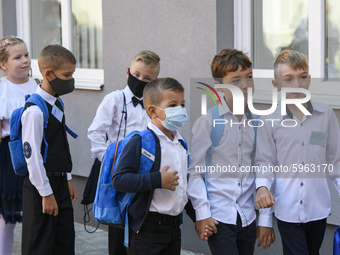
column 58, row 154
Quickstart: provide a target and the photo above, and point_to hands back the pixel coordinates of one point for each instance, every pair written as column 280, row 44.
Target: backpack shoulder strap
column 74, row 135
column 40, row 102
column 37, row 100
column 255, row 123
column 215, row 136
column 148, row 152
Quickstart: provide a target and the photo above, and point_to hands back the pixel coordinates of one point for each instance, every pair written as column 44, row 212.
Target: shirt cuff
column 265, row 219
column 262, row 182
column 68, row 176
column 203, row 213
column 45, row 190
column 100, row 155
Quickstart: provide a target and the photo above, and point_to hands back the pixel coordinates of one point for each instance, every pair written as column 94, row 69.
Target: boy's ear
column 219, row 89
column 3, row 66
column 276, row 85
column 48, row 74
column 151, row 111
column 127, row 72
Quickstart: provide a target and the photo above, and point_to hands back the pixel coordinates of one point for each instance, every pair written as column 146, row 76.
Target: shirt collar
column 224, row 108
column 46, row 96
column 159, row 133
column 310, row 108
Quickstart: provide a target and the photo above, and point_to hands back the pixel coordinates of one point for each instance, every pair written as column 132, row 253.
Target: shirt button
column 301, row 124
column 301, row 184
column 303, row 144
column 236, row 202
column 302, row 163
column 239, row 127
column 239, row 144
column 239, row 184
column 301, row 202
column 239, row 165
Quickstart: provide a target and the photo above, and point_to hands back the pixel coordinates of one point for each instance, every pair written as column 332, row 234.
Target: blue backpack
column 110, row 206
column 15, row 143
column 216, row 135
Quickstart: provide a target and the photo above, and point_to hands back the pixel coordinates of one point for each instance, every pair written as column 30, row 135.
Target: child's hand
column 169, row 179
column 73, row 192
column 49, row 205
column 264, row 198
column 205, row 228
column 266, row 237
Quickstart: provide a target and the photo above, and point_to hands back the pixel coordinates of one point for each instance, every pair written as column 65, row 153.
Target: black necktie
column 136, row 101
column 58, row 104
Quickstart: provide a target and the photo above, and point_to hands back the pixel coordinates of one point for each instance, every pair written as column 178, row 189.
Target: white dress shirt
column 229, row 192
column 314, row 142
column 175, row 155
column 32, row 121
column 108, row 118
column 12, row 96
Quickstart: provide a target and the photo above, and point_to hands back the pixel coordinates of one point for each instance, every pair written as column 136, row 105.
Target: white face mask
column 175, row 117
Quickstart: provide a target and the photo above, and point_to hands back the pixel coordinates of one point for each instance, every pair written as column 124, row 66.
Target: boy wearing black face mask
column 120, row 113
column 48, row 192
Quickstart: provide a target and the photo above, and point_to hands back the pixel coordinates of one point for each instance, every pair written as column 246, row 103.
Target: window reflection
column 332, row 54
column 278, row 25
column 86, row 29
column 45, row 25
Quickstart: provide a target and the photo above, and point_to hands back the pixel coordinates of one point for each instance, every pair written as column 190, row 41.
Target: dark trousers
column 233, row 239
column 116, row 241
column 302, row 238
column 44, row 234
column 159, row 235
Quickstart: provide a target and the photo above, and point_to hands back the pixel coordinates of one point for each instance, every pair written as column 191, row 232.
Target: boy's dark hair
column 154, row 90
column 228, row 60
column 54, row 56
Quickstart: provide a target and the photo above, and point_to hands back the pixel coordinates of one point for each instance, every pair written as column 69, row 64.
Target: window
column 76, row 24
column 264, row 28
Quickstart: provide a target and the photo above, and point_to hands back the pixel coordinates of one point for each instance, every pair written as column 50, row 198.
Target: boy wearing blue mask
column 120, row 113
column 154, row 215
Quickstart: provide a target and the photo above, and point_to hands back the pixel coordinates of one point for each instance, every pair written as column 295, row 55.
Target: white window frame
column 322, row 91
column 89, row 79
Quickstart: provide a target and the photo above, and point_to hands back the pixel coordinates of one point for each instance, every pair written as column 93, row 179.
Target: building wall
column 182, row 33
column 185, row 34
column 1, row 27
column 8, row 18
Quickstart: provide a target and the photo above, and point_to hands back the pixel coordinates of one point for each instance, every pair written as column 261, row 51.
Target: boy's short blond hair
column 55, row 56
column 148, row 57
column 5, row 44
column 154, row 90
column 294, row 59
column 228, row 60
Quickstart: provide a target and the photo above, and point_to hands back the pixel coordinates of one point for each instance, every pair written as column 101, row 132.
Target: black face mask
column 135, row 85
column 60, row 86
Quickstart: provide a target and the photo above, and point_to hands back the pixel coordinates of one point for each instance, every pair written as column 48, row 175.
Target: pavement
column 86, row 243
column 96, row 243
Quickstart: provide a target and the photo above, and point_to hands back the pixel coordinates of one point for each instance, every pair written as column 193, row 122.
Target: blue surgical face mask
column 175, row 117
